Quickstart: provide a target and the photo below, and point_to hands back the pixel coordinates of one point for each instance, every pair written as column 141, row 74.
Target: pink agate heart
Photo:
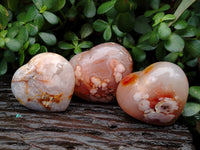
column 156, row 95
column 99, row 71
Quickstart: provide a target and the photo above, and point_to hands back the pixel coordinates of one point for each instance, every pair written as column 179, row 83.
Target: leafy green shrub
column 152, row 30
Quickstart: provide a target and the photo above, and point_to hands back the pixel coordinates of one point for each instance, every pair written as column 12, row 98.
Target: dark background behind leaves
column 151, row 30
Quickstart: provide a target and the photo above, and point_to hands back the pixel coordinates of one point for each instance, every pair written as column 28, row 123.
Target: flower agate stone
column 156, row 95
column 45, row 83
column 99, row 71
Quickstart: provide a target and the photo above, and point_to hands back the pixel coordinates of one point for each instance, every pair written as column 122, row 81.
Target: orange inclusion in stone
column 20, row 101
column 155, row 99
column 130, row 79
column 148, row 69
column 26, row 87
column 70, row 96
column 48, row 98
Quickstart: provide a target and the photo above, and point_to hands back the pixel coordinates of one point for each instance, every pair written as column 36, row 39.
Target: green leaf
column 2, row 42
column 185, row 15
column 156, row 22
column 155, row 4
column 75, row 42
column 128, row 41
column 21, row 58
column 194, row 91
column 146, row 46
column 181, row 24
column 164, row 31
column 175, row 43
column 65, row 46
column 138, row 54
column 31, row 13
column 158, row 16
column 4, row 16
column 192, row 63
column 194, row 21
column 181, row 65
column 154, row 37
column 105, row 7
column 141, row 25
column 86, row 44
column 122, row 6
column 168, row 17
column 161, row 9
column 43, row 49
column 43, row 9
column 49, row 3
column 70, row 36
column 193, row 48
column 144, row 43
column 72, row 12
column 3, row 33
column 90, row 9
column 171, row 57
column 12, row 32
column 72, row 2
column 13, row 5
column 32, row 29
column 48, row 38
column 164, row 7
column 149, row 13
column 117, row 31
column 53, row 5
column 22, row 17
column 107, row 33
column 39, row 21
column 26, row 45
column 125, row 5
column 112, row 13
column 100, row 25
column 191, row 109
column 160, row 51
column 10, row 17
column 190, row 31
column 31, row 40
column 22, row 34
column 77, row 50
column 34, row 49
column 38, row 4
column 198, row 32
column 144, row 37
column 86, row 30
column 3, row 67
column 13, row 44
column 125, row 22
column 17, row 24
column 58, row 5
column 50, row 17
column 9, row 56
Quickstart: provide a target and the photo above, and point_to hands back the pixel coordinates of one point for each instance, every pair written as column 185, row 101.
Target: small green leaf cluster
column 191, row 112
column 193, row 108
column 70, row 27
column 73, row 40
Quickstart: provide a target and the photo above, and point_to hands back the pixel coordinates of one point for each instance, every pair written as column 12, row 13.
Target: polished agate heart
column 99, row 71
column 45, row 83
column 156, row 95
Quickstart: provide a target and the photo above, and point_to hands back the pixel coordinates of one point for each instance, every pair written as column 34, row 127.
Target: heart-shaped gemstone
column 156, row 95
